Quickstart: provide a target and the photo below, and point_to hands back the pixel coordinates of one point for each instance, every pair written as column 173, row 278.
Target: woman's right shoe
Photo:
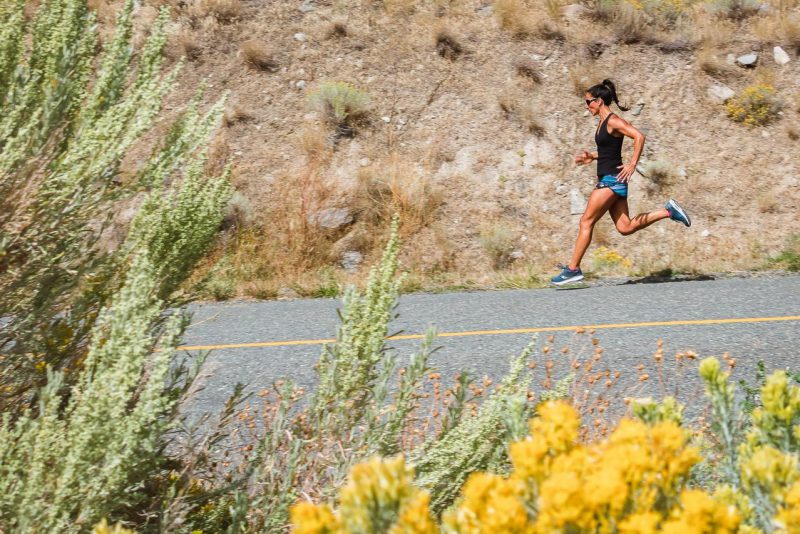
column 567, row 276
column 676, row 213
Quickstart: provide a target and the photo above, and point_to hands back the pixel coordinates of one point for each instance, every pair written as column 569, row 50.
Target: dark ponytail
column 608, row 92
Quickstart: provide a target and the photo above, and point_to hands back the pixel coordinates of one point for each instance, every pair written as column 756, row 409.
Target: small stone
column 765, row 134
column 351, row 260
column 730, row 59
column 364, row 162
column 307, row 6
column 780, row 55
column 720, row 93
column 331, row 218
column 516, row 254
column 682, row 173
column 705, row 233
column 561, row 189
column 748, row 60
column 300, row 84
column 637, row 110
column 300, row 36
column 386, row 119
column 576, row 202
column 287, row 293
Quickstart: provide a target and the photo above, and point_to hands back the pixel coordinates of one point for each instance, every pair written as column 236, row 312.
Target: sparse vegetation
column 498, row 242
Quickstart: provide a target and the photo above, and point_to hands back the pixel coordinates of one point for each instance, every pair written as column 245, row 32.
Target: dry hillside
column 475, row 113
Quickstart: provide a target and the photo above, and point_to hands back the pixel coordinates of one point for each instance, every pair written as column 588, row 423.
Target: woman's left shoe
column 676, row 213
column 567, row 276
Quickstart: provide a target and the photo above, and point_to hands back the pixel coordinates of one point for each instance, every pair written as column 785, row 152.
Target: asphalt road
column 749, row 318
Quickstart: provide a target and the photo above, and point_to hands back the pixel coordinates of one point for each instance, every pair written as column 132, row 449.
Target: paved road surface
column 686, row 315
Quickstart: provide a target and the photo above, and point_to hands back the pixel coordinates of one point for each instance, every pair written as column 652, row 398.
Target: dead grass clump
column 709, row 62
column 767, row 202
column 583, row 75
column 395, row 188
column 342, row 105
column 498, row 243
column 224, row 11
column 660, row 174
column 515, row 17
column 188, row 45
column 631, row 25
column 337, row 29
column 448, row 46
column 256, row 54
column 527, row 69
column 399, row 7
column 517, row 107
column 235, row 115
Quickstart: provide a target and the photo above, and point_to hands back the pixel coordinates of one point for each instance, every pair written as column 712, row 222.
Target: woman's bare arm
column 620, row 125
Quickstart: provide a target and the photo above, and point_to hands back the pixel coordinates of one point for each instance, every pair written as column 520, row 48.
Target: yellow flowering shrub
column 756, row 105
column 633, row 479
column 606, row 258
column 634, row 482
column 379, row 498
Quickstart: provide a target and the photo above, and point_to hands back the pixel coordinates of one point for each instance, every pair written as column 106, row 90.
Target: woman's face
column 593, row 103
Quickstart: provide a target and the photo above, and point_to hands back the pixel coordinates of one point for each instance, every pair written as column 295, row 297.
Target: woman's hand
column 583, row 158
column 625, row 174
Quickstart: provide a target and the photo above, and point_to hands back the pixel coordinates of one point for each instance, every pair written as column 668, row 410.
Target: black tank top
column 609, row 150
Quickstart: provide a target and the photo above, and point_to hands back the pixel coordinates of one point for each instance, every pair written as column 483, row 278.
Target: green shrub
column 88, row 379
column 790, row 257
column 498, row 242
column 342, row 105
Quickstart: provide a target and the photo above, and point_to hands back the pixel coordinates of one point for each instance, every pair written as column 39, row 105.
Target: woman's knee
column 586, row 223
column 625, row 229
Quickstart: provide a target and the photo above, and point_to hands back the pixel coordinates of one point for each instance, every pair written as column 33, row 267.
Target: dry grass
column 448, row 45
column 336, row 29
column 528, row 69
column 256, row 54
column 393, row 186
column 583, row 75
column 515, row 17
column 224, row 11
column 498, row 242
column 517, row 106
column 187, row 44
column 767, row 202
column 235, row 114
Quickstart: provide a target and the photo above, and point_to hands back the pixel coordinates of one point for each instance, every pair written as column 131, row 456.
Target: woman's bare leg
column 599, row 202
column 625, row 225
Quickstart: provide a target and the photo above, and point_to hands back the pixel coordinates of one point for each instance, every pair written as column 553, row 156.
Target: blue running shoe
column 567, row 276
column 676, row 213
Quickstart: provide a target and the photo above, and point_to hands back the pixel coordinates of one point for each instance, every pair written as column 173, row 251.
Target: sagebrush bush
column 755, row 106
column 85, row 418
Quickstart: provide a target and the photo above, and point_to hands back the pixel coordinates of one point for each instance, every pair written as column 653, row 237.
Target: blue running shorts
column 610, row 180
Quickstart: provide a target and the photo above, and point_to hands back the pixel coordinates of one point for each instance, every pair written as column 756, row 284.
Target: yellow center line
column 507, row 331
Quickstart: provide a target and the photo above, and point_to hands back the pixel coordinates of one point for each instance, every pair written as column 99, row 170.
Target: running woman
column 611, row 192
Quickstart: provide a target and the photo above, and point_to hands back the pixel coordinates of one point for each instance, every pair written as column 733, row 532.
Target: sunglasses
column 590, row 101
